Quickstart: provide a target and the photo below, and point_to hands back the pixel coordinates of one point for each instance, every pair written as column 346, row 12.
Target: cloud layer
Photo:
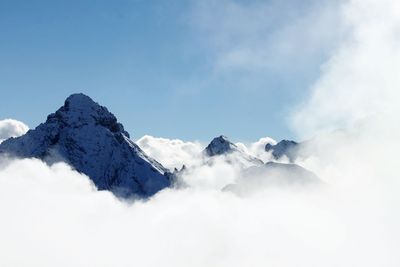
column 57, row 218
column 171, row 153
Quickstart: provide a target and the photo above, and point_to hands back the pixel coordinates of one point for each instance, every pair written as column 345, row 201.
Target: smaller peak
column 288, row 141
column 283, row 148
column 268, row 147
column 281, row 144
column 84, row 105
column 221, row 138
column 78, row 96
column 220, row 145
column 79, row 100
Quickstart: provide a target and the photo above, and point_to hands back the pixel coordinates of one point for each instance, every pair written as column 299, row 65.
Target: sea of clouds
column 53, row 216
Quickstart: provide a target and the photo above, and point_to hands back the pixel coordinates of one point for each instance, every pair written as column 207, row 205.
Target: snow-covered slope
column 221, row 146
column 89, row 138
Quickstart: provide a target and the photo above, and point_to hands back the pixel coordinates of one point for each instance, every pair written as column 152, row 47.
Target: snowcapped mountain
column 89, row 138
column 221, row 146
column 286, row 148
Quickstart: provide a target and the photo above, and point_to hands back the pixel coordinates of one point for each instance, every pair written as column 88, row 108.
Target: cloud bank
column 358, row 93
column 361, row 79
column 11, row 128
column 57, row 218
column 171, row 153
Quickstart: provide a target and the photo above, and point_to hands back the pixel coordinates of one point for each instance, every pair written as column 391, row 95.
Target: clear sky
column 178, row 69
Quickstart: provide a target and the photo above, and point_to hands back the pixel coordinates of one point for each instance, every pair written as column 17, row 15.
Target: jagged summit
column 81, row 101
column 80, row 109
column 84, row 107
column 220, row 145
column 89, row 137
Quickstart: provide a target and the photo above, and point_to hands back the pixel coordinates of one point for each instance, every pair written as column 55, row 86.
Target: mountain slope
column 286, row 148
column 89, row 138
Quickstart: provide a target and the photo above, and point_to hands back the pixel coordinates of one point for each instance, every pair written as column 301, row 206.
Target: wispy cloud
column 172, row 153
column 265, row 36
column 361, row 78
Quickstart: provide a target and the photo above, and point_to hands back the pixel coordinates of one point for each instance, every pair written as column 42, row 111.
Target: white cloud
column 172, row 153
column 358, row 92
column 11, row 128
column 213, row 173
column 257, row 149
column 267, row 35
column 361, row 79
column 52, row 216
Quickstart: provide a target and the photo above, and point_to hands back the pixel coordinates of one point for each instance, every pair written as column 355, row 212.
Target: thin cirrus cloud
column 265, row 35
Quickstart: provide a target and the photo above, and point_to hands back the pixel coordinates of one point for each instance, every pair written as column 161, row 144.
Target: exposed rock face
column 220, row 145
column 89, row 138
column 286, row 148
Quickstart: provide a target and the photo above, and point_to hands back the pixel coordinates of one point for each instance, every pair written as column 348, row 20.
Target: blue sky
column 178, row 69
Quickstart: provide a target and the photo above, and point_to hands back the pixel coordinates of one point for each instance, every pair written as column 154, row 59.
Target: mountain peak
column 223, row 138
column 81, row 102
column 79, row 97
column 79, row 110
column 89, row 137
column 283, row 148
column 220, row 145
